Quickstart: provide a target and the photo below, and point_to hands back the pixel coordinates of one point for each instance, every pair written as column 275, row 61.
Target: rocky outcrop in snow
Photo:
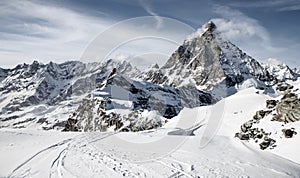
column 166, row 100
column 92, row 116
column 286, row 110
column 289, row 133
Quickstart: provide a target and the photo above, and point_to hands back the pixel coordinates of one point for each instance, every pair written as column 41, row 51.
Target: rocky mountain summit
column 207, row 59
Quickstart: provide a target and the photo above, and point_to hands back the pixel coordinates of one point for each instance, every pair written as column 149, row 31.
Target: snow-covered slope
column 141, row 154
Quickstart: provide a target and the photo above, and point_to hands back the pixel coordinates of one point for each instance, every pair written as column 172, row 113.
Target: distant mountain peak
column 210, row 26
column 206, row 59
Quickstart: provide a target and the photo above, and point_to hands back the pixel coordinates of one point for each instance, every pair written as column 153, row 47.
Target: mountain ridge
column 206, row 59
column 202, row 71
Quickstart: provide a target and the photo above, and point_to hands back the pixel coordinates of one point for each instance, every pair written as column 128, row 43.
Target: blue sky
column 60, row 30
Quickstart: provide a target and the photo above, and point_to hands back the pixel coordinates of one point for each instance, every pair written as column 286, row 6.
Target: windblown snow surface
column 171, row 151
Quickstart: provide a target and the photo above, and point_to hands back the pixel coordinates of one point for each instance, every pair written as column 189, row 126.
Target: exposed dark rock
column 210, row 26
column 71, row 125
column 22, row 122
column 247, row 131
column 288, row 109
column 261, row 114
column 91, row 116
column 42, row 120
column 290, row 97
column 288, row 133
column 242, row 136
column 245, row 127
column 284, row 87
column 271, row 104
column 267, row 143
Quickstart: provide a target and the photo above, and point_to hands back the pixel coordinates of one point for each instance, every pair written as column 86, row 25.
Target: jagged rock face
column 261, row 114
column 288, row 109
column 250, row 132
column 52, row 83
column 271, row 104
column 3, row 73
column 289, row 133
column 207, row 60
column 284, row 87
column 267, row 143
column 99, row 114
column 280, row 72
column 166, row 100
column 238, row 66
column 190, row 62
column 49, row 85
column 91, row 116
column 196, row 60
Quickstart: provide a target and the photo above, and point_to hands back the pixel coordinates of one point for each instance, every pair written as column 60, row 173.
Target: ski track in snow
column 37, row 155
column 82, row 148
column 78, row 157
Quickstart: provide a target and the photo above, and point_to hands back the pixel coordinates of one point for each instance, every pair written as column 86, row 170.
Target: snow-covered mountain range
column 173, row 102
column 203, row 70
column 207, row 59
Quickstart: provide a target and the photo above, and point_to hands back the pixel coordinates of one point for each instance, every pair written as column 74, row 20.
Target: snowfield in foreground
column 171, row 151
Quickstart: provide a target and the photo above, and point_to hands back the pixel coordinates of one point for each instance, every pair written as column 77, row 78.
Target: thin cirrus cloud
column 236, row 25
column 280, row 5
column 271, row 34
column 32, row 30
column 290, row 8
column 246, row 32
column 149, row 10
column 61, row 31
column 44, row 32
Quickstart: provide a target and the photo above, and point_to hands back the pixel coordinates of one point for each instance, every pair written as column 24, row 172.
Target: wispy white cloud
column 247, row 33
column 149, row 10
column 44, row 31
column 290, row 8
column 136, row 37
column 278, row 5
column 235, row 25
column 33, row 30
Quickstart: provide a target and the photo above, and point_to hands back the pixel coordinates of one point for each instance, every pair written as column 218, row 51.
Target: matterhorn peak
column 210, row 26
